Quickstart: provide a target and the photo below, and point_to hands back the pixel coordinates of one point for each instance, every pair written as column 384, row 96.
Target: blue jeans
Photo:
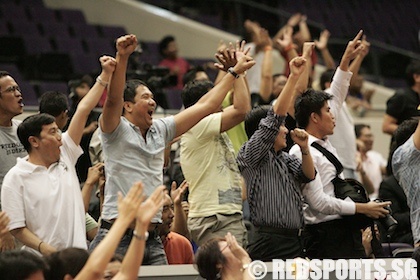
column 154, row 254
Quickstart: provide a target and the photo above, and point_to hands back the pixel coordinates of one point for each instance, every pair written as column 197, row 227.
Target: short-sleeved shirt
column 209, row 165
column 10, row 148
column 178, row 249
column 406, row 168
column 130, row 158
column 47, row 201
column 403, row 105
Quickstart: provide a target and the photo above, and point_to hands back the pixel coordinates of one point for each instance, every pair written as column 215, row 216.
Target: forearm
column 355, row 65
column 212, row 100
column 367, row 183
column 28, row 238
column 134, row 256
column 286, row 96
column 219, row 77
column 86, row 193
column 307, row 163
column 102, row 254
column 328, row 59
column 180, row 222
column 266, row 86
column 241, row 96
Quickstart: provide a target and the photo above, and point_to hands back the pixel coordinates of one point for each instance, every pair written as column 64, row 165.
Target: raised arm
column 357, row 62
column 113, row 106
column 86, row 105
column 233, row 115
column 179, row 224
column 354, row 47
column 100, row 257
column 285, row 45
column 134, row 256
column 266, row 86
column 322, row 46
column 297, row 67
column 212, row 100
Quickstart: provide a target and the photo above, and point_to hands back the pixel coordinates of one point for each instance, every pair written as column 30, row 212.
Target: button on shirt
column 273, row 179
column 406, row 168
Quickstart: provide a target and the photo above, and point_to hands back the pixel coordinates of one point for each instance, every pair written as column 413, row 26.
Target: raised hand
column 177, row 193
column 129, row 205
column 126, row 44
column 151, row 206
column 307, row 49
column 366, row 46
column 265, row 39
column 94, row 173
column 300, row 137
column 285, row 40
column 323, row 40
column 108, row 64
column 294, row 19
column 297, row 65
column 236, row 249
column 354, row 47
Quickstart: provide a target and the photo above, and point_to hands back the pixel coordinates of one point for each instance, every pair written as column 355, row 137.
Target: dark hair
column 73, row 84
column 400, row 136
column 194, row 90
column 358, row 128
column 4, row 74
column 208, row 257
column 412, row 68
column 67, row 261
column 311, row 101
column 130, row 89
column 20, row 264
column 253, row 118
column 326, row 77
column 53, row 103
column 32, row 126
column 163, row 44
column 190, row 75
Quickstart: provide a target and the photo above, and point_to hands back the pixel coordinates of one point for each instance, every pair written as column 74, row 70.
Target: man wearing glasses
column 11, row 105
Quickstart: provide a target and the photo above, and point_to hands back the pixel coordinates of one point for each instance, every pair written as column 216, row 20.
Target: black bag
column 347, row 188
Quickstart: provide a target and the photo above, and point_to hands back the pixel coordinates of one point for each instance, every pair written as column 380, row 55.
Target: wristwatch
column 231, row 71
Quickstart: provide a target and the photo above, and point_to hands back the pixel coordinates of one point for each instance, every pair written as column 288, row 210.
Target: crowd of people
column 260, row 157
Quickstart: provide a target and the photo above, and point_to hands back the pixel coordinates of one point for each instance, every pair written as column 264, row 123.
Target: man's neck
column 5, row 120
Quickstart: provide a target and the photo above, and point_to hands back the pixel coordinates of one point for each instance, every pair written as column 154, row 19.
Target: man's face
column 367, row 138
column 281, row 141
column 142, row 108
column 167, row 216
column 326, row 121
column 48, row 143
column 82, row 90
column 11, row 101
column 171, row 50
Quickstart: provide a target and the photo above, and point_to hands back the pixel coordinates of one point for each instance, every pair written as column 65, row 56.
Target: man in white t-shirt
column 41, row 192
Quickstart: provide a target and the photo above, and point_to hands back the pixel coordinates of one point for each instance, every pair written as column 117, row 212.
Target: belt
column 129, row 232
column 282, row 231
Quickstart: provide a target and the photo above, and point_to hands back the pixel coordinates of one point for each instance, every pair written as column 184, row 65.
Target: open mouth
column 150, row 112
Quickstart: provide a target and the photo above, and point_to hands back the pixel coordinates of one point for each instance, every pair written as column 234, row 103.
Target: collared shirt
column 322, row 205
column 406, row 168
column 130, row 158
column 47, row 201
column 272, row 179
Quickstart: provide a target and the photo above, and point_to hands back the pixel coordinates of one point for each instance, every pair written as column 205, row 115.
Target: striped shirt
column 273, row 179
column 406, row 168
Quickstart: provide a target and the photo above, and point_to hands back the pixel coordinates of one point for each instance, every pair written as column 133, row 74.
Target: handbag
column 344, row 188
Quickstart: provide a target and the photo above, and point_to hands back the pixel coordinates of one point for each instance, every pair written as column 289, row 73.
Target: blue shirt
column 406, row 168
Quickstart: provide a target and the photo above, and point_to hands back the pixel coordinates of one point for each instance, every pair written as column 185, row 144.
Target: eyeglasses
column 14, row 89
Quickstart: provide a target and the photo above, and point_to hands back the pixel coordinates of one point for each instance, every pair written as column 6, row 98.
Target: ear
column 128, row 106
column 67, row 277
column 314, row 117
column 33, row 141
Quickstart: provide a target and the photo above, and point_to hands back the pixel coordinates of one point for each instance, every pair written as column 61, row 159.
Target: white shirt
column 47, row 201
column 372, row 166
column 322, row 205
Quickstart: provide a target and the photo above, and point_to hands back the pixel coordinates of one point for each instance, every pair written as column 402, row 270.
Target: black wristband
column 230, row 70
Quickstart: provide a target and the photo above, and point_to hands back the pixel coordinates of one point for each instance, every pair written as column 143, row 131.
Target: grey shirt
column 130, row 158
column 10, row 149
